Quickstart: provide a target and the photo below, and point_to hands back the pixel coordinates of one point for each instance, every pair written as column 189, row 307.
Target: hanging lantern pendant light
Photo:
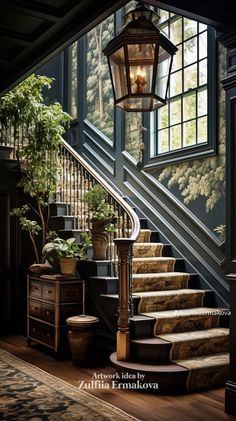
column 140, row 59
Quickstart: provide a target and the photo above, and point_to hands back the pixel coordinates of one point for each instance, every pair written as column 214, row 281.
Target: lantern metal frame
column 140, row 31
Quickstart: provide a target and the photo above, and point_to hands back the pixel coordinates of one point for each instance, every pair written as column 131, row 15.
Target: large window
column 182, row 124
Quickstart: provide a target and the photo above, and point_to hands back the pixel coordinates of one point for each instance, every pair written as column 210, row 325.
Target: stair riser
column 164, row 353
column 59, row 209
column 155, row 284
column 5, row 152
column 144, row 237
column 153, row 266
column 69, row 234
column 172, row 302
column 89, row 268
column 173, row 381
column 147, row 250
column 157, row 354
column 167, row 382
column 196, row 348
column 141, row 329
column 61, row 223
column 208, row 378
column 185, row 324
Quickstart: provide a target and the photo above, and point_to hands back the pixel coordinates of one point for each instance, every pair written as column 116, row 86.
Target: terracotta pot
column 99, row 240
column 68, row 265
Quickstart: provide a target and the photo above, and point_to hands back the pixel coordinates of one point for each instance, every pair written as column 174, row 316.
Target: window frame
column 194, row 151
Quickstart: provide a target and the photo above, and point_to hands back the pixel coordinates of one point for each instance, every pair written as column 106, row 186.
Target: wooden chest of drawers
column 50, row 303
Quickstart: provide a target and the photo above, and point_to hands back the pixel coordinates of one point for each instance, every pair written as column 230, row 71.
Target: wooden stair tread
column 158, row 293
column 141, row 318
column 159, row 274
column 185, row 312
column 150, row 341
column 152, row 259
column 147, row 244
column 169, row 292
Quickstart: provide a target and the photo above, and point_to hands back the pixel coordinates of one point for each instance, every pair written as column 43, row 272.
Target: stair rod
column 127, row 229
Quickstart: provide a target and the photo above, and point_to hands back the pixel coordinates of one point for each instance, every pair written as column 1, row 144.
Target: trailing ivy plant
column 36, row 130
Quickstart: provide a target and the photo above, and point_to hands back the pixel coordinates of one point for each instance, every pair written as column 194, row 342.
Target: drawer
column 48, row 313
column 35, row 308
column 49, row 292
column 35, row 288
column 71, row 293
column 66, row 311
column 41, row 332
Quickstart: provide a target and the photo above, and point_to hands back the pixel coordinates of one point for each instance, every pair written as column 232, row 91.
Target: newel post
column 124, row 251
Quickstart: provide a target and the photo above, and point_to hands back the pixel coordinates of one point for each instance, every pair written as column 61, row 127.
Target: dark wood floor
column 193, row 407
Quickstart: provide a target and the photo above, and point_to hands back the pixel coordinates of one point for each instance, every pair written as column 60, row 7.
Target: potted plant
column 68, row 252
column 102, row 216
column 37, row 130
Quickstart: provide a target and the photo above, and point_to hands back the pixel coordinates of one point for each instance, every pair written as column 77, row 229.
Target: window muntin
column 183, row 121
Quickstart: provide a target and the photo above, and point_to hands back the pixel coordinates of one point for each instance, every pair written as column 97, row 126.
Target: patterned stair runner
column 197, row 342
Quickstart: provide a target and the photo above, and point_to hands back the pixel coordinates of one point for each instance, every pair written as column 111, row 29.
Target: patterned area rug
column 29, row 393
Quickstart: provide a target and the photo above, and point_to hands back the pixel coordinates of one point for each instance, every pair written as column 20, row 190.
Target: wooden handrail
column 135, row 224
column 77, row 174
column 124, row 251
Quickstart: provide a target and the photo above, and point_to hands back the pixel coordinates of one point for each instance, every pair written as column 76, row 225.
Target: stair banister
column 124, row 251
column 76, row 177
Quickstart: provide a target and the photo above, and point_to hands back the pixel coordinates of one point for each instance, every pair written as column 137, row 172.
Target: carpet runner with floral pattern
column 198, row 343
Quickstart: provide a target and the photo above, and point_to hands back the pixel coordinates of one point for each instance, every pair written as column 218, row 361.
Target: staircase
column 179, row 339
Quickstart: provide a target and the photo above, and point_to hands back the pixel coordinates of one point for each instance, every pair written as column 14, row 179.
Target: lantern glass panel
column 141, row 59
column 133, row 104
column 163, row 68
column 118, row 70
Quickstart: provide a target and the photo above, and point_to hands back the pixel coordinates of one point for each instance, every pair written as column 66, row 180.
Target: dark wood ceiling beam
column 51, row 14
column 76, row 17
column 76, row 23
column 17, row 36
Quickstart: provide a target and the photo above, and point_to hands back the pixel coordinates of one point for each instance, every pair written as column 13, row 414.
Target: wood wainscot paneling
column 229, row 84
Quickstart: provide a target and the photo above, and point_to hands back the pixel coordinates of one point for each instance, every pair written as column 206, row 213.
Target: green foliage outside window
column 100, row 108
column 74, row 80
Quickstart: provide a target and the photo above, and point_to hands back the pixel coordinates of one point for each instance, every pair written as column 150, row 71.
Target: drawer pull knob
column 47, row 312
column 34, row 288
column 49, row 291
column 34, row 330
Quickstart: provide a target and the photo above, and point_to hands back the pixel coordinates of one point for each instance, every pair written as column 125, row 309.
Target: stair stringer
column 161, row 218
column 206, row 254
